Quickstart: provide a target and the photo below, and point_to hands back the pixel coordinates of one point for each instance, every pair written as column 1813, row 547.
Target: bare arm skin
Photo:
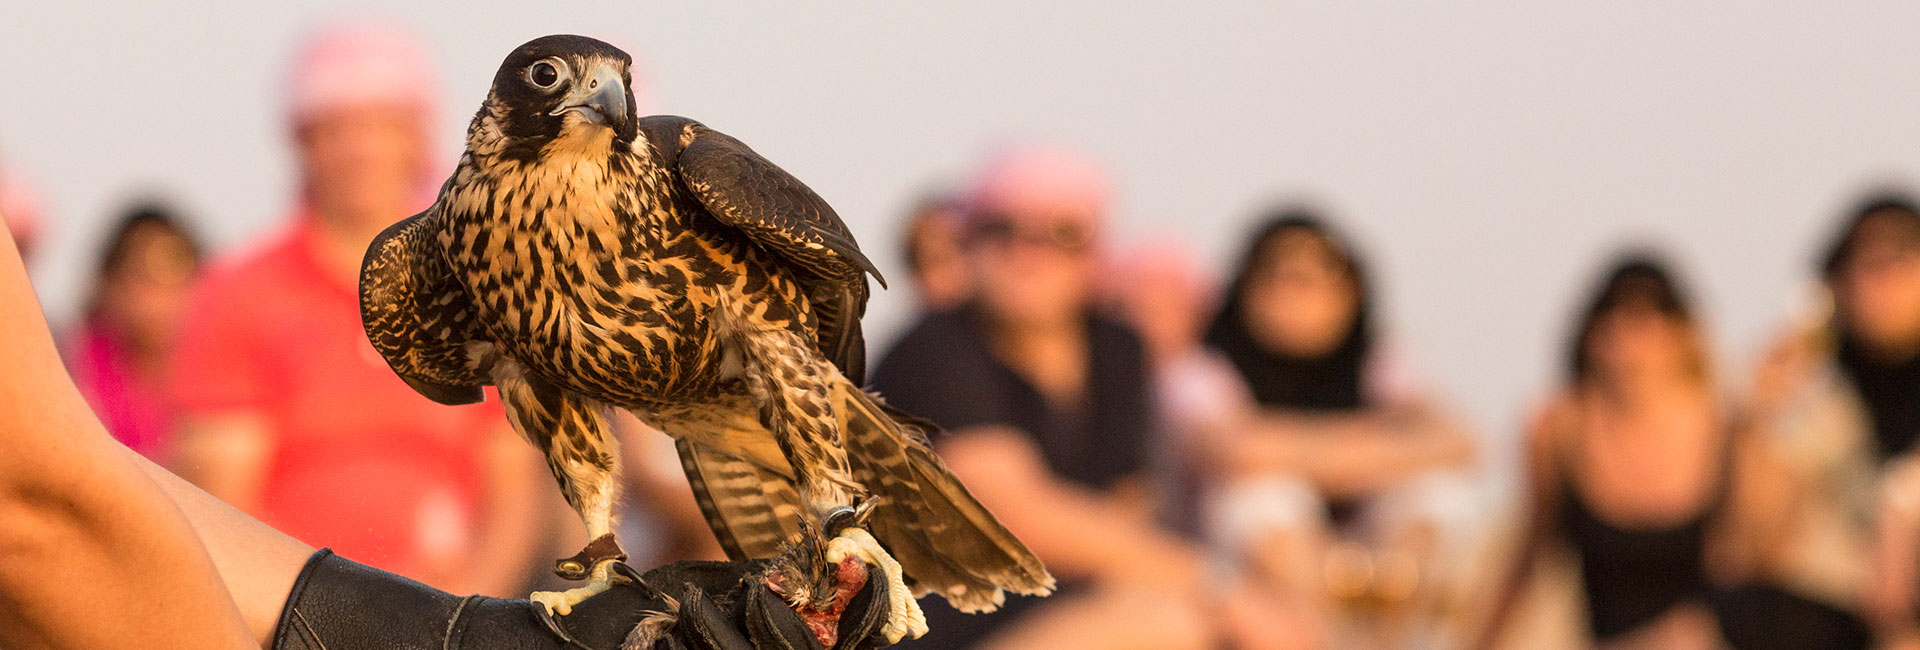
column 1752, row 536
column 1077, row 532
column 93, row 554
column 1149, row 584
column 1890, row 601
column 226, row 455
column 257, row 563
column 1345, row 455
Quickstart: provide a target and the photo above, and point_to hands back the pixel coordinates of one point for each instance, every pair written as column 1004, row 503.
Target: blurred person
column 1166, row 302
column 285, row 409
column 1333, row 474
column 933, row 252
column 1840, row 395
column 1638, row 468
column 1201, row 396
column 122, row 350
column 1049, row 407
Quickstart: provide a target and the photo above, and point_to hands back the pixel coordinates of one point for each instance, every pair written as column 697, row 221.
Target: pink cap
column 1041, row 180
column 360, row 64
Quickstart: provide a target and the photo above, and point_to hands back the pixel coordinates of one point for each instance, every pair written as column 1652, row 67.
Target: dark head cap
column 562, row 86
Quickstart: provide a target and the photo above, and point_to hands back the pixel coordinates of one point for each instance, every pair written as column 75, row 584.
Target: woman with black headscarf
column 1337, row 454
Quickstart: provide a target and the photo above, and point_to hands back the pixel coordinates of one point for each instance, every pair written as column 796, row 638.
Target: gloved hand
column 338, row 604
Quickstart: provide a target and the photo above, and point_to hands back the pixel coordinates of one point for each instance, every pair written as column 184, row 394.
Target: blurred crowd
column 1244, row 464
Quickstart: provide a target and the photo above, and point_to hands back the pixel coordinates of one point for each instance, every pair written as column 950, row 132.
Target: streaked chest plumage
column 599, row 274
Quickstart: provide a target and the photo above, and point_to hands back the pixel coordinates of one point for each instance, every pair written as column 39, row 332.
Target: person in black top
column 1636, row 467
column 1048, row 409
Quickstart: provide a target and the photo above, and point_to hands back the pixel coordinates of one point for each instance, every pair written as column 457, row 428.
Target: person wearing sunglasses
column 1049, row 406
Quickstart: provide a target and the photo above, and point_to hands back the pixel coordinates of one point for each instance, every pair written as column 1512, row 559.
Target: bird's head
column 559, row 90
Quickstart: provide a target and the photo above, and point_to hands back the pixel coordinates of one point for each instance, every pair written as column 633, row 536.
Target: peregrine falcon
column 582, row 259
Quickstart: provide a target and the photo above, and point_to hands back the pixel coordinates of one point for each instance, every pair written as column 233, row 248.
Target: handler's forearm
column 92, row 553
column 226, row 455
column 257, row 563
column 107, row 562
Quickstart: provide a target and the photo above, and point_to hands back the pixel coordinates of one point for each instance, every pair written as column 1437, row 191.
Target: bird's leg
column 584, row 458
column 791, row 385
column 590, row 488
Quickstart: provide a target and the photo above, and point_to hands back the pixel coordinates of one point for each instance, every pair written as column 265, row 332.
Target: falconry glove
column 339, row 604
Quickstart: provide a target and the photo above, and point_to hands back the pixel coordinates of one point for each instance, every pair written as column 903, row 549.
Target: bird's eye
column 546, row 73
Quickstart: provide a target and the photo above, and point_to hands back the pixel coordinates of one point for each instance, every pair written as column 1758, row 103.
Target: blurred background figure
column 1635, row 466
column 1049, row 405
column 1161, row 294
column 1200, row 398
column 21, row 212
column 123, row 348
column 933, row 253
column 1840, row 395
column 1337, row 479
column 288, row 413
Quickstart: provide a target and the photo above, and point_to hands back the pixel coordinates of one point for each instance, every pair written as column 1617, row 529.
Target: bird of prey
column 582, row 259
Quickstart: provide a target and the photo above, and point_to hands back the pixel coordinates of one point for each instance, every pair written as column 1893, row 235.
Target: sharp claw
column 633, row 576
column 540, row 612
column 905, row 620
column 627, row 571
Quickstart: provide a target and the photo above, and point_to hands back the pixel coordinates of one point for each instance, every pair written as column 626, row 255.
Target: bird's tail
column 946, row 542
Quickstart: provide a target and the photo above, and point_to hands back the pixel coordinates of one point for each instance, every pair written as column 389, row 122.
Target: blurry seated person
column 122, row 350
column 1201, row 397
column 1637, row 468
column 933, row 253
column 1841, row 396
column 1335, row 477
column 1048, row 410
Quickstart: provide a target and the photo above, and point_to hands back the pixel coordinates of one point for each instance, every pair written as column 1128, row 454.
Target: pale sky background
column 1488, row 156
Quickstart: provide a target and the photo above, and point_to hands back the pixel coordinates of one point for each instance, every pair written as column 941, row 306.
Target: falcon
column 582, row 259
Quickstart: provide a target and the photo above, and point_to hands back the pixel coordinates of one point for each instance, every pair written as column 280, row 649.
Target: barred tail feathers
column 947, row 542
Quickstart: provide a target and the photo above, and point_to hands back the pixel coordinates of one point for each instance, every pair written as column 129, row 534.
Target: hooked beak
column 601, row 97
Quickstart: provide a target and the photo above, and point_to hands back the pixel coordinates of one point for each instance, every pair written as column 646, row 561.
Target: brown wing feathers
column 744, row 190
column 942, row 536
column 417, row 315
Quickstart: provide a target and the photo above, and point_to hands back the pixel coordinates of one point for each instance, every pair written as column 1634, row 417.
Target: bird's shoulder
column 667, row 135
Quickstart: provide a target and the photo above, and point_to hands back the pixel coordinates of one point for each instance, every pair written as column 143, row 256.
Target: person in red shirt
column 287, row 412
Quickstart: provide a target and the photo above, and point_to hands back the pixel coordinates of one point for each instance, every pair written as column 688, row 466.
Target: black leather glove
column 339, row 604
